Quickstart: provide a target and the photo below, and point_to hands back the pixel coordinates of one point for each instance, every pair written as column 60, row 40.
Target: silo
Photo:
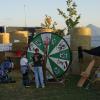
column 80, row 36
column 20, row 40
column 22, row 36
column 4, row 38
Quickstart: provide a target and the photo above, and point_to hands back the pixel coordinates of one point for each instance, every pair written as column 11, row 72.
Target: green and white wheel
column 57, row 51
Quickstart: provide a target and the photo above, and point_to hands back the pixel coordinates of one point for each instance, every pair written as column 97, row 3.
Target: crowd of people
column 7, row 65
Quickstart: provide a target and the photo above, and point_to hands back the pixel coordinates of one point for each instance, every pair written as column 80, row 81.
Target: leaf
column 62, row 13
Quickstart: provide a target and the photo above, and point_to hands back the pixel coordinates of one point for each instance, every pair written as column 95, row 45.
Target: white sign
column 6, row 47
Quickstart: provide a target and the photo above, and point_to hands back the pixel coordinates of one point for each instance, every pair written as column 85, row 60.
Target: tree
column 71, row 18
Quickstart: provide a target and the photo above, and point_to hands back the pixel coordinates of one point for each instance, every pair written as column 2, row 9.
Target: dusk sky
column 13, row 12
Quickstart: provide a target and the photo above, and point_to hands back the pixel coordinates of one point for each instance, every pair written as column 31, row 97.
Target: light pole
column 25, row 15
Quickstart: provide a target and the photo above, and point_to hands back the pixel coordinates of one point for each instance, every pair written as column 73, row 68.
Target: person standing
column 24, row 70
column 38, row 72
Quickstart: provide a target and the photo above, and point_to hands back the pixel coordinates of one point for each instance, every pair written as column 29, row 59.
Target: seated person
column 7, row 65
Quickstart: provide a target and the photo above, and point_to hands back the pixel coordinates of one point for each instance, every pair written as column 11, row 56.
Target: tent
column 94, row 51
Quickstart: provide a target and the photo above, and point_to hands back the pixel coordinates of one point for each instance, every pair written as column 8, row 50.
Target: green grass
column 52, row 91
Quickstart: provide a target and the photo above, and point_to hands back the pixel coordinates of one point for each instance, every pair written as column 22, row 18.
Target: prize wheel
column 56, row 50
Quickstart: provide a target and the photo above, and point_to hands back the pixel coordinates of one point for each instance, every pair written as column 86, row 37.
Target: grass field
column 52, row 91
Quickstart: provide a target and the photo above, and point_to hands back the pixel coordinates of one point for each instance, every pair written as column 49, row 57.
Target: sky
column 32, row 12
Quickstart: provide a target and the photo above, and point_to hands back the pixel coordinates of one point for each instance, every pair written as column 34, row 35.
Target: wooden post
column 86, row 74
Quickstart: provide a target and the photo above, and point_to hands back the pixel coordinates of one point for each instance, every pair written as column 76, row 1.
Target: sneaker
column 37, row 86
column 43, row 86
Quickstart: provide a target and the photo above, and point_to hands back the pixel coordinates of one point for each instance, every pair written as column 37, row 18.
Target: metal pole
column 25, row 15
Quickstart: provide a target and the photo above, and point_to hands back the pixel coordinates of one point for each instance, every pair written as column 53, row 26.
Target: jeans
column 39, row 80
column 26, row 79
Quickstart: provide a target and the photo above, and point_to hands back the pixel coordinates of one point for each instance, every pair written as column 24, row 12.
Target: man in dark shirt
column 38, row 72
column 37, row 59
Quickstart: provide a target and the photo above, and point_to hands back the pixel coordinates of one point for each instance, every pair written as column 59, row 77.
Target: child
column 24, row 70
